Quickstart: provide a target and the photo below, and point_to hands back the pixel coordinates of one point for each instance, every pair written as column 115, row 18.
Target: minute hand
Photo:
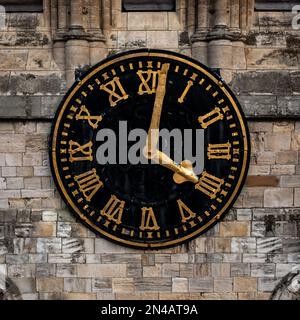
column 153, row 132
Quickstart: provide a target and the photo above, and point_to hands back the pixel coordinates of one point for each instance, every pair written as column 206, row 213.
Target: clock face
column 159, row 202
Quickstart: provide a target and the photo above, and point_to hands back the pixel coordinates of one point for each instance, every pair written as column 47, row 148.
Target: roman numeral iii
column 209, row 184
column 113, row 210
column 219, row 151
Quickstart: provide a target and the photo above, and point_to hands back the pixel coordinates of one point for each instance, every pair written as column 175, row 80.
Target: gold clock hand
column 153, row 132
column 182, row 172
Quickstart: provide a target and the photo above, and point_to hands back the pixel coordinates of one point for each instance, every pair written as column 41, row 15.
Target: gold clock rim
column 144, row 245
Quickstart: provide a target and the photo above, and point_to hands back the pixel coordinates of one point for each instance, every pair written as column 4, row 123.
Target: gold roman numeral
column 148, row 221
column 149, row 81
column 185, row 212
column 219, row 151
column 84, row 114
column 186, row 90
column 210, row 117
column 80, row 153
column 209, row 184
column 113, row 210
column 89, row 183
column 115, row 90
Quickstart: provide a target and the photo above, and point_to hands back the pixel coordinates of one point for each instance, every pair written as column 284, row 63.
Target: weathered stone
column 77, row 285
column 267, row 245
column 234, row 229
column 220, row 270
column 123, row 285
column 101, row 285
column 245, row 284
column 223, row 285
column 104, row 271
column 49, row 285
column 31, row 84
column 263, row 270
column 259, row 106
column 278, row 197
column 147, row 21
column 201, row 285
column 276, row 82
column 153, row 284
column 244, row 245
column 179, row 285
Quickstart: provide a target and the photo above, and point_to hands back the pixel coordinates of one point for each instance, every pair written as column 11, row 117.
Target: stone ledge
column 44, row 107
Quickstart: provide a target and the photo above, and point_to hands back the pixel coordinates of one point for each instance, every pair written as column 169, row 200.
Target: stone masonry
column 47, row 254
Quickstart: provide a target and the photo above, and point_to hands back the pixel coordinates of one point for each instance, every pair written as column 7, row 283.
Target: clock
column 158, row 202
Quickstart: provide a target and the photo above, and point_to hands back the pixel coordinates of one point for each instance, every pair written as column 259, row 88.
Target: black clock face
column 159, row 202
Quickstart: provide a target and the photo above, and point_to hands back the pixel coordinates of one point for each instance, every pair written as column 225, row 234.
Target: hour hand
column 182, row 172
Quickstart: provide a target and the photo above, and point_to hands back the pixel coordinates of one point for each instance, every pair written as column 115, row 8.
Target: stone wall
column 47, row 254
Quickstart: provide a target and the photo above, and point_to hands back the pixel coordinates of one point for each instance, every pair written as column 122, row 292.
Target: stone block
column 49, row 285
column 147, row 21
column 180, row 258
column 259, row 106
column 162, row 39
column 268, row 245
column 283, row 169
column 170, row 270
column 77, row 285
column 25, row 285
column 153, row 285
column 222, row 245
column 9, row 171
column 220, row 270
column 64, row 229
column 297, row 197
column 239, row 269
column 123, row 285
column 278, row 197
column 38, row 193
column 275, row 82
column 101, row 271
column 179, row 285
column 13, row 59
column 79, row 296
column 290, row 181
column 102, row 285
column 44, row 229
column 263, row 270
column 131, row 40
column 49, row 216
column 223, row 285
column 243, row 245
column 201, row 285
column 234, row 229
column 66, row 271
column 244, row 284
column 13, row 159
column 254, row 257
column 33, row 183
column 267, row 284
column 153, row 271
column 264, row 58
column 48, row 245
